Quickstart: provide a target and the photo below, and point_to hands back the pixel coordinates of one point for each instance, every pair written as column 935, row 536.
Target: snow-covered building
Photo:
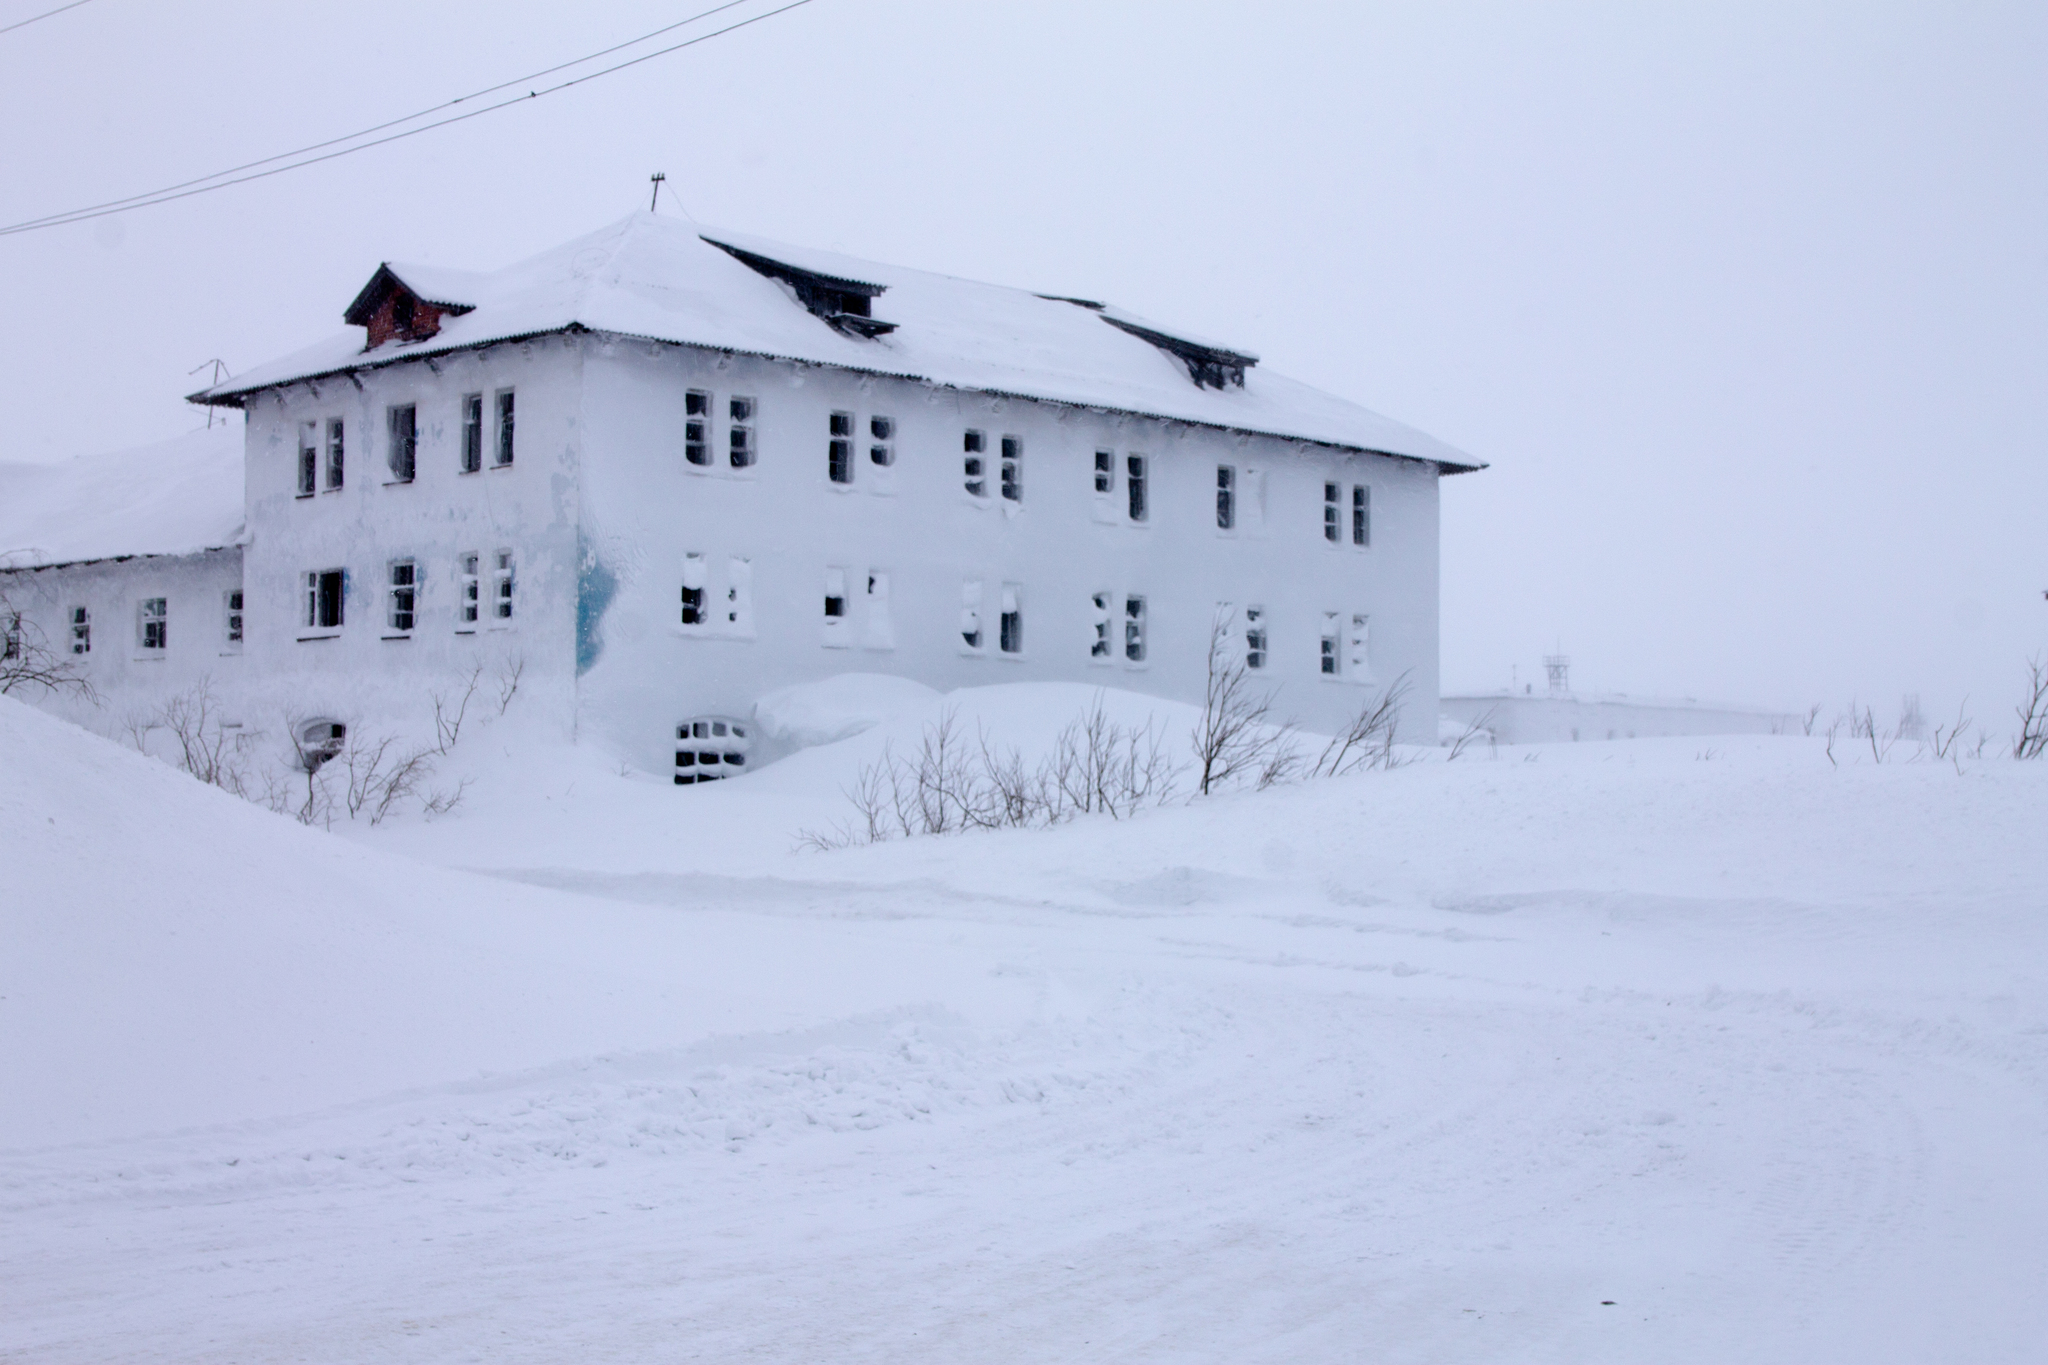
column 667, row 469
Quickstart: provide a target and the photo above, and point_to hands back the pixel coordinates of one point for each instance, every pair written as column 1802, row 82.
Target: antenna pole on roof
column 654, row 198
column 218, row 367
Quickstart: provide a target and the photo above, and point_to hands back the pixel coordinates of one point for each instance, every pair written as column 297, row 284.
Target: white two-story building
column 667, row 469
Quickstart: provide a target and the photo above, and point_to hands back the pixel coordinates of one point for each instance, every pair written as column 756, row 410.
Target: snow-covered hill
column 1632, row 1051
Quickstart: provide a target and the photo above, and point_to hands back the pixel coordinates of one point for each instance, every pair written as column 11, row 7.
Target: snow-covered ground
column 1662, row 1050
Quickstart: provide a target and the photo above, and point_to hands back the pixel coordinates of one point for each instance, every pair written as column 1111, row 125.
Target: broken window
column 739, row 595
column 503, row 455
column 882, row 436
column 1330, row 657
column 1010, row 626
column 839, row 454
column 470, row 592
column 970, row 614
column 403, row 442
column 324, row 592
column 1331, row 523
column 81, row 631
column 153, row 617
column 1105, row 472
column 501, row 585
column 1013, row 469
column 693, row 590
column 1254, row 637
column 318, row 741
column 1134, row 486
column 309, row 458
column 1134, row 629
column 697, row 427
column 232, row 603
column 1226, row 497
column 835, row 609
column 1361, row 515
column 1099, row 648
column 334, row 453
column 976, row 481
column 472, row 432
column 404, row 595
column 740, row 438
column 710, row 748
column 881, row 631
column 1357, row 666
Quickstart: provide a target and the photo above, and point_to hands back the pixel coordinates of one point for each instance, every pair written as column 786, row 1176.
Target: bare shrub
column 2032, row 740
column 1806, row 722
column 1368, row 740
column 26, row 659
column 450, row 713
column 1945, row 740
column 508, row 681
column 1233, row 736
column 1480, row 726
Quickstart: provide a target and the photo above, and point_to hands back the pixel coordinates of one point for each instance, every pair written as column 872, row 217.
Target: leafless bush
column 1368, row 741
column 1945, row 739
column 26, row 659
column 450, row 713
column 1234, row 736
column 2032, row 740
column 1806, row 722
column 1480, row 726
column 508, row 681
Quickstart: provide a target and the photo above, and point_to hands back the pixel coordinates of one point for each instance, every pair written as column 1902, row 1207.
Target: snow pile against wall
column 840, row 707
column 173, row 498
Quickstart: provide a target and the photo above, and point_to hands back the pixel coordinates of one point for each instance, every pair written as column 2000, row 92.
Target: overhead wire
column 46, row 14
column 298, row 159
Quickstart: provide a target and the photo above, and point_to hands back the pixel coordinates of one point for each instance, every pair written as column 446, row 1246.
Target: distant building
column 669, row 469
column 1556, row 715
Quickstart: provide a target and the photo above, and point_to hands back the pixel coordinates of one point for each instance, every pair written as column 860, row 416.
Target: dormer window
column 1210, row 366
column 389, row 309
column 844, row 305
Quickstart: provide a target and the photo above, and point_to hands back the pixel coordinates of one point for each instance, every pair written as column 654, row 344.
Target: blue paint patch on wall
column 596, row 585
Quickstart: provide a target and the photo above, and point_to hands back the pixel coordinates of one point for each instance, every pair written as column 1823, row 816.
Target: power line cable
column 217, row 181
column 38, row 18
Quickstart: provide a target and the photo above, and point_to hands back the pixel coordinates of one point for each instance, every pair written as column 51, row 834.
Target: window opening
column 1098, row 648
column 324, row 599
column 1134, row 486
column 506, row 428
column 1010, row 626
column 1330, row 522
column 1226, row 497
column 1361, row 515
column 739, row 595
column 309, row 457
column 1013, row 469
column 233, row 604
column 81, row 631
column 471, row 593
column 835, row 608
column 1329, row 645
column 839, row 457
column 404, row 594
column 404, row 442
column 334, row 453
column 1134, row 629
column 970, row 465
column 472, row 432
column 881, row 631
column 882, row 433
column 1356, row 664
column 1105, row 472
column 970, row 614
column 697, row 427
column 693, row 590
column 1254, row 637
column 318, row 741
column 740, row 440
column 155, row 618
column 501, row 585
column 711, row 748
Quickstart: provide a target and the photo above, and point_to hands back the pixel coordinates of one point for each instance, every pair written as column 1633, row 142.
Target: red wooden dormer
column 393, row 310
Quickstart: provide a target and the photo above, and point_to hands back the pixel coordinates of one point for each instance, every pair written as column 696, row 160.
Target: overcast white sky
column 1746, row 304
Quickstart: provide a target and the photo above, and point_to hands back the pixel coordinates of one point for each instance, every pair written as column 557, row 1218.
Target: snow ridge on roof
column 175, row 497
column 664, row 279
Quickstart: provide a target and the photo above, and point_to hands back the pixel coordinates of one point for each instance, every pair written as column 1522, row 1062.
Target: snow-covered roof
column 668, row 279
column 173, row 498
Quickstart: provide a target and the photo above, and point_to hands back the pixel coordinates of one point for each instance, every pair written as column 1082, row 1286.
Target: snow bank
column 837, row 708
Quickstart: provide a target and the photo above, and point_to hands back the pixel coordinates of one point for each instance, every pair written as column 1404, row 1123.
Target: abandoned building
column 669, row 469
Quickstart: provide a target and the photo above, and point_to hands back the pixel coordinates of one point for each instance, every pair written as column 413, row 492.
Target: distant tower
column 1559, row 668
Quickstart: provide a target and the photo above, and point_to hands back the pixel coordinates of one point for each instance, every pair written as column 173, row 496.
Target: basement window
column 1254, row 637
column 403, row 596
column 472, row 432
column 1013, row 469
column 697, row 427
column 1134, row 487
column 710, row 748
column 740, row 436
column 1226, row 497
column 153, row 622
column 318, row 741
column 309, row 458
column 335, row 453
column 839, row 453
column 469, row 592
column 882, row 435
column 81, row 630
column 325, row 589
column 1332, row 523
column 693, row 590
column 1010, row 626
column 976, row 481
column 402, row 442
column 506, row 427
column 1134, row 629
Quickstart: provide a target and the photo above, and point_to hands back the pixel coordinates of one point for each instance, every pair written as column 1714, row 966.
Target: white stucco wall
column 1543, row 719
column 644, row 509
